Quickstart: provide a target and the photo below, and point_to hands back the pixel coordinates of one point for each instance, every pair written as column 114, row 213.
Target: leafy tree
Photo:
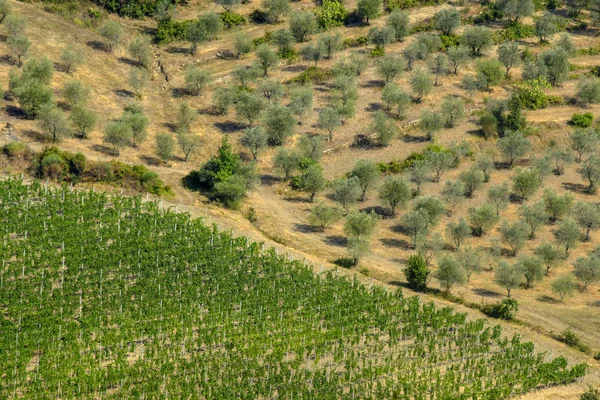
column 322, row 216
column 415, row 225
column 248, row 106
column 313, row 52
column 559, row 157
column 482, row 218
column 567, row 235
column 276, row 8
column 453, row 193
column 367, row 173
column 385, row 128
column 525, row 183
column 548, row 254
column 531, row 268
column 255, row 140
column 266, row 57
column 312, row 181
column 381, row 36
column 139, row 50
column 83, row 120
column 196, row 80
column 15, row 25
column 188, row 143
column 368, row 9
column 499, row 196
column 185, row 117
column 284, row 40
column 485, row 162
column 39, row 70
column 477, row 39
column 471, row 260
column 245, row 74
column 515, row 9
column 279, row 123
column 472, row 180
column 457, row 56
column 452, row 110
column 515, row 235
column 587, row 270
column 395, row 193
column 431, row 208
column 359, row 226
column 439, row 66
column 419, row 172
column 398, row 20
column 417, row 272
column 164, row 146
column 470, row 85
column 514, row 146
column 439, row 162
column 564, row 285
column 211, row 24
column 450, row 272
column 421, row 84
column 117, row 134
column 346, row 191
column 546, row 26
column 19, row 47
column 458, row 231
column 583, row 141
column 556, row 62
column 509, row 55
column 286, row 161
column 430, row 246
column 271, row 90
column 557, row 206
column 5, row 10
column 329, row 119
column 489, row 73
column 508, row 276
column 588, row 90
column 138, row 123
column 394, row 96
column 447, row 21
column 430, row 123
column 53, row 122
column 534, row 216
column 302, row 25
column 344, row 96
column 138, row 79
column 242, row 44
column 590, row 171
column 564, row 42
column 112, row 32
column 390, row 66
column 587, row 216
column 76, row 93
column 71, row 58
column 301, row 101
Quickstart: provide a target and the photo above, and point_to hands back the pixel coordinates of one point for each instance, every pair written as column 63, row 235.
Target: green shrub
column 356, row 42
column 312, row 75
column 18, row 150
column 582, row 120
column 417, row 272
column 290, row 55
column 331, row 13
column 344, row 262
column 264, row 39
column 377, row 52
column 590, row 394
column 531, row 93
column 505, row 309
column 555, row 100
column 514, row 31
column 449, row 41
column 259, row 16
column 425, row 26
column 231, row 19
column 169, row 31
column 395, row 4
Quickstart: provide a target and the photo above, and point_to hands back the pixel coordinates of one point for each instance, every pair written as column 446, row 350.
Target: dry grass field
column 282, row 213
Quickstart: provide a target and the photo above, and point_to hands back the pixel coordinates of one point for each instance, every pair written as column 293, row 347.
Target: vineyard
column 112, row 297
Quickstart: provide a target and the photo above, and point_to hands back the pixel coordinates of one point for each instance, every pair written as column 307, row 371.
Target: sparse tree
column 499, row 196
column 244, row 74
column 394, row 96
column 271, row 90
column 549, row 255
column 117, row 134
column 53, row 122
column 255, row 140
column 469, row 84
column 471, row 260
column 430, row 246
column 368, row 9
column 71, row 58
column 557, row 206
column 276, row 8
column 311, row 146
column 485, row 162
column 76, row 93
column 587, row 216
column 534, row 216
column 138, row 79
column 196, row 80
column 452, row 110
column 472, row 178
column 83, row 120
column 457, row 57
column 415, row 226
column 439, row 162
column 590, row 171
column 458, row 232
column 439, row 66
column 453, row 193
column 509, row 55
column 285, row 41
column 139, row 50
column 587, row 270
column 556, row 62
column 380, row 37
column 242, row 44
column 564, row 42
column 477, row 39
column 447, row 21
column 312, row 180
column 185, row 117
column 359, row 227
column 431, row 208
column 546, row 26
column 329, row 119
column 164, row 146
column 567, row 235
column 515, row 235
column 531, row 268
column 559, row 158
column 112, row 32
column 450, row 272
column 16, row 25
column 301, row 102
column 138, row 122
column 368, row 175
column 302, row 25
column 430, row 123
column 514, row 146
column 222, row 99
column 419, row 172
column 286, row 161
column 346, row 191
column 390, row 66
column 228, row 5
column 588, row 90
column 421, row 84
column 279, row 123
column 583, row 141
column 482, row 218
column 385, row 128
column 188, row 143
column 398, row 20
column 564, row 285
column 395, row 193
column 248, row 106
column 489, row 73
column 19, row 47
column 525, row 183
column 515, row 9
column 322, row 216
column 313, row 52
column 508, row 276
column 5, row 10
column 266, row 57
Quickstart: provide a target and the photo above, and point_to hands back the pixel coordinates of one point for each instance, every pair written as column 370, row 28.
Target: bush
column 417, row 272
column 582, row 120
column 531, row 93
column 259, row 16
column 356, row 42
column 18, row 150
column 231, row 19
column 571, row 339
column 331, row 13
column 513, row 32
column 312, row 75
column 505, row 309
column 591, row 394
column 60, row 165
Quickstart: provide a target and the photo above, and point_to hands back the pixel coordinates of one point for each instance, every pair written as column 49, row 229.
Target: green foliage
column 477, row 39
column 421, row 84
column 588, row 90
column 275, row 9
column 489, row 73
column 231, row 19
column 169, row 31
column 564, row 285
column 399, row 22
column 302, row 25
column 368, row 9
column 582, row 120
column 505, row 309
column 322, row 216
column 417, row 272
column 450, row 272
column 164, row 146
column 71, row 58
column 515, row 31
column 483, row 218
column 590, row 394
column 447, row 21
column 531, row 93
column 331, row 14
column 112, row 32
column 278, row 123
column 356, row 42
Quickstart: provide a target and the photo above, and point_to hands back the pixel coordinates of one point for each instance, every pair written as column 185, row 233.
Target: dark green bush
column 394, row 4
column 590, row 394
column 514, row 31
column 312, row 75
column 259, row 16
column 331, row 13
column 170, row 31
column 231, row 19
column 48, row 163
column 505, row 309
column 18, row 150
column 356, row 42
column 132, row 8
column 449, row 41
column 582, row 120
column 344, row 262
column 417, row 272
column 264, row 39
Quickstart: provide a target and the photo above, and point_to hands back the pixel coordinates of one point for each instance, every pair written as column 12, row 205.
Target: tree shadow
column 548, row 299
column 15, row 112
column 373, row 83
column 372, row 107
column 414, row 139
column 7, row 60
column 486, row 293
column 149, row 160
column 336, row 240
column 178, row 50
column 36, row 136
column 60, row 67
column 3, row 38
column 269, row 180
column 381, row 211
column 100, row 148
column 97, row 45
column 63, row 105
column 124, row 93
column 593, row 303
column 297, row 199
column 294, row 68
column 178, row 92
column 305, row 228
column 575, row 187
column 170, row 126
column 229, row 126
column 396, row 243
column 128, row 61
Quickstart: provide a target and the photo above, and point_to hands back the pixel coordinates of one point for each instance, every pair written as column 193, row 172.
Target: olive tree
column 457, row 57
column 549, row 255
column 311, row 180
column 452, row 110
column 421, row 84
column 359, row 227
column 415, row 226
column 546, row 26
column 514, row 146
column 164, row 146
column 477, row 39
column 447, row 21
column 368, row 9
column 390, row 66
column 450, row 272
column 395, row 193
column 458, row 232
column 301, row 102
column 564, row 285
column 139, row 50
column 196, row 80
column 380, row 37
column 323, row 216
column 346, row 191
column 71, row 58
column 112, row 32
column 557, row 206
column 583, row 141
column 489, row 73
column 385, row 128
column 83, row 120
column 255, row 139
column 53, row 122
column 266, row 57
column 514, row 235
column 587, row 216
column 394, row 96
column 590, row 171
column 508, row 276
column 430, row 123
column 587, row 270
column 499, row 196
column 286, row 161
column 398, row 20
column 483, row 218
column 525, row 183
column 278, row 123
column 368, row 175
column 567, row 235
column 117, row 134
column 76, row 93
column 302, row 25
column 509, row 55
column 532, row 269
column 276, row 8
column 19, row 47
column 515, row 9
column 189, row 143
column 588, row 90
column 248, row 106
column 439, row 162
column 534, row 216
